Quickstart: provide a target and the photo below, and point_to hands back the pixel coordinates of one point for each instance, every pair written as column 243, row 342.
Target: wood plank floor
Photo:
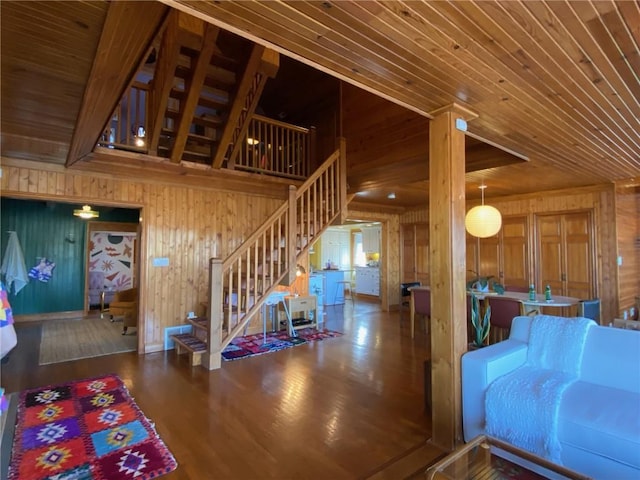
column 342, row 408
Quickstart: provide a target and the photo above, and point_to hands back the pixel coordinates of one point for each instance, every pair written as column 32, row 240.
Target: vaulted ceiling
column 555, row 82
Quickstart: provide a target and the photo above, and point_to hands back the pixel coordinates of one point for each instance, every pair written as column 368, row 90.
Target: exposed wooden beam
column 238, row 106
column 127, row 33
column 193, row 86
column 168, row 55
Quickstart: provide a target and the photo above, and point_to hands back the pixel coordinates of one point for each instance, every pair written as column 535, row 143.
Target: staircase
column 193, row 97
column 240, row 284
column 193, row 102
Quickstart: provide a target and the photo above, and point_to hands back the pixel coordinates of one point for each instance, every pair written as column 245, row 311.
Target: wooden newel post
column 212, row 360
column 447, row 251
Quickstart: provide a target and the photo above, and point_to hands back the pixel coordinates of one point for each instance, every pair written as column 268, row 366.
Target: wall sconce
column 483, row 220
column 86, row 213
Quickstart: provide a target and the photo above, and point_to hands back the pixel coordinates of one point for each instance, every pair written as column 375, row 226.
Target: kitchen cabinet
column 368, row 281
column 371, row 239
column 335, row 247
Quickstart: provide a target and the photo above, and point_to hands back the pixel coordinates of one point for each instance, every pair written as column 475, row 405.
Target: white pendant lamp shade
column 483, row 221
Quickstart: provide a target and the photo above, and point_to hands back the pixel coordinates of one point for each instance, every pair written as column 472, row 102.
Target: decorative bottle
column 547, row 293
column 532, row 292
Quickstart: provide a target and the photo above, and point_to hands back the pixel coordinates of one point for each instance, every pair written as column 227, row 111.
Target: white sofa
column 598, row 422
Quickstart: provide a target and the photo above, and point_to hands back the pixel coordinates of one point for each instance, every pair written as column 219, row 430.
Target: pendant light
column 86, row 213
column 483, row 220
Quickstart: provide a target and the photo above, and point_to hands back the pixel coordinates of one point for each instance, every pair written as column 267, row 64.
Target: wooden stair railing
column 275, row 148
column 239, row 285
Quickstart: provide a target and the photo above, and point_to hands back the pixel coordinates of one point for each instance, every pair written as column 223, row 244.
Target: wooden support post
column 447, row 251
column 213, row 358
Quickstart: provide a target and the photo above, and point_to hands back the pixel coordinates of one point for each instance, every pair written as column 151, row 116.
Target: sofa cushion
column 611, row 359
column 601, row 420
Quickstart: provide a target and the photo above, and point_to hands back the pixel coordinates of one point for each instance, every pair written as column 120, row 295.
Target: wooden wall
column 600, row 200
column 184, row 224
column 50, row 230
column 390, row 255
column 628, row 235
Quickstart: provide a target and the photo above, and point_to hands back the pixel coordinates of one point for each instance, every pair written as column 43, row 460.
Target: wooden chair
column 405, row 294
column 125, row 304
column 421, row 305
column 503, row 310
column 590, row 309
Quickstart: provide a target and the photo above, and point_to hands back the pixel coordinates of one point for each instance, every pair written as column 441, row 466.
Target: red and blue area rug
column 88, row 429
column 258, row 344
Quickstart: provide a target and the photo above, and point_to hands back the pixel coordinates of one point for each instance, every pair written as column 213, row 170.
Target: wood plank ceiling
column 558, row 82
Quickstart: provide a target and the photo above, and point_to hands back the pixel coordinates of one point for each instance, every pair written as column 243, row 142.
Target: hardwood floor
column 342, row 408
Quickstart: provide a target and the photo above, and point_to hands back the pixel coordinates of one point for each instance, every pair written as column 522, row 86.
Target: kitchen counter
column 333, row 295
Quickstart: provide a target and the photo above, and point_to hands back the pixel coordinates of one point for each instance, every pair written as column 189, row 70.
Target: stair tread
column 199, row 322
column 189, row 342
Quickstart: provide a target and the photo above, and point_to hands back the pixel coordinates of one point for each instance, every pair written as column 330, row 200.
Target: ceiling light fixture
column 139, row 136
column 86, row 213
column 252, row 141
column 483, row 220
column 391, row 196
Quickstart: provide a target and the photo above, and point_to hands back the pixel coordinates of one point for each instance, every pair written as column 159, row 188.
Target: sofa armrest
column 480, row 368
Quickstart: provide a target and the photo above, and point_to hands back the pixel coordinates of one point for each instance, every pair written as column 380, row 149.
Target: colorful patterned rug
column 90, row 429
column 251, row 345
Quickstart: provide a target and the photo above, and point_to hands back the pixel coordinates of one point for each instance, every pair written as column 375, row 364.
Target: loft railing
column 128, row 125
column 240, row 284
column 275, row 148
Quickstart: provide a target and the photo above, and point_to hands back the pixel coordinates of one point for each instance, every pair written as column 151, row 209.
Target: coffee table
column 473, row 461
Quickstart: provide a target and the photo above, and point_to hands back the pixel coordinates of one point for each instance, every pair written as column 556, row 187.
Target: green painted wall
column 49, row 229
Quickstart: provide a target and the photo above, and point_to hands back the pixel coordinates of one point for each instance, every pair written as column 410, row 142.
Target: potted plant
column 482, row 326
column 484, row 283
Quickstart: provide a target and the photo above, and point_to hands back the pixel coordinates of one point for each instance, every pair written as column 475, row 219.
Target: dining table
column 529, row 306
column 558, row 301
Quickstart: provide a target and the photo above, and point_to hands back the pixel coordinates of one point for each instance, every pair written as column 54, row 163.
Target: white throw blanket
column 13, row 266
column 522, row 407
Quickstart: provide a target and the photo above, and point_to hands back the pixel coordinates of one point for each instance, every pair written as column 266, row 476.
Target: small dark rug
column 252, row 345
column 88, row 429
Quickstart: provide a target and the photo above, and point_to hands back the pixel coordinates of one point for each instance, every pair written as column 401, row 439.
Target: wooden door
column 408, row 253
column 514, row 254
column 565, row 252
column 489, row 257
column 422, row 253
column 578, row 253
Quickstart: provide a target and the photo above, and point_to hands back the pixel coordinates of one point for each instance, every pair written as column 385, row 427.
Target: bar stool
column 341, row 296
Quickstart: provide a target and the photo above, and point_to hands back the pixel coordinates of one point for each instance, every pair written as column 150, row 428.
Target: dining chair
column 503, row 310
column 590, row 309
column 405, row 294
column 420, row 305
